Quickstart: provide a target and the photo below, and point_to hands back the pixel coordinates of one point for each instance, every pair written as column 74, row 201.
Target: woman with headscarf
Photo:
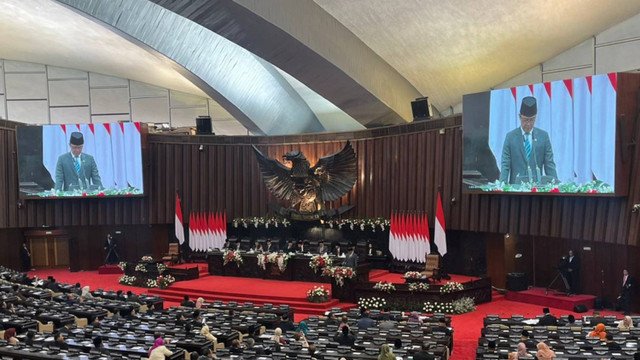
column 626, row 324
column 204, row 331
column 544, row 353
column 159, row 351
column 599, row 332
column 199, row 303
column 303, row 328
column 414, row 317
column 521, row 353
column 385, row 353
column 10, row 336
column 85, row 293
column 277, row 336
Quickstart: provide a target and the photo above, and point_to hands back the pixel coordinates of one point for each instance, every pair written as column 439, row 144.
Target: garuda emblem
column 308, row 188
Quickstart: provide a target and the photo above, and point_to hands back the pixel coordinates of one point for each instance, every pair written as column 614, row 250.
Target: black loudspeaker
column 516, row 281
column 203, row 125
column 420, row 108
column 580, row 309
column 598, row 303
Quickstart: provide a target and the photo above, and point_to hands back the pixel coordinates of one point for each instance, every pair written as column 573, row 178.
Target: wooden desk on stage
column 297, row 268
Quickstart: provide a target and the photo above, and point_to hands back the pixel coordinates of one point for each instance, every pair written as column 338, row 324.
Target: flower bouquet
column 146, row 258
column 319, row 294
column 141, row 267
column 339, row 273
column 372, row 303
column 413, row 275
column 122, row 265
column 319, row 262
column 151, row 283
column 460, row 306
column 385, row 286
column 418, row 287
column 451, row 287
column 164, row 281
column 232, row 256
column 274, row 258
column 161, row 268
column 127, row 280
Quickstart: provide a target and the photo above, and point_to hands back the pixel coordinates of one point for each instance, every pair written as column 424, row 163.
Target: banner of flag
column 207, row 231
column 409, row 235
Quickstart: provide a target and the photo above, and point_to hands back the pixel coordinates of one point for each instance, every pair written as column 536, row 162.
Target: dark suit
column 67, row 178
column 322, row 250
column 625, row 294
column 515, row 166
column 573, row 271
column 423, row 355
column 365, row 323
column 548, row 320
column 351, row 260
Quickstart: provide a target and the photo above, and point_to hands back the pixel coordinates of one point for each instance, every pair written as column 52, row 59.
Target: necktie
column 77, row 162
column 624, row 280
column 527, row 145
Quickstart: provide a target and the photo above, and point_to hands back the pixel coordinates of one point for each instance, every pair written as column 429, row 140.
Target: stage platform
column 538, row 296
column 109, row 269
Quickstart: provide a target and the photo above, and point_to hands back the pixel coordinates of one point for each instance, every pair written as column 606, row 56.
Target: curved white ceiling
column 44, row 32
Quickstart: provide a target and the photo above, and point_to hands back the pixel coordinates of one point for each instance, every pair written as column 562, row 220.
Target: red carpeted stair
column 539, row 296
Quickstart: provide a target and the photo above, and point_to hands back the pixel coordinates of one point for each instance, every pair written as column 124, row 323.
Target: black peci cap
column 529, row 106
column 76, row 138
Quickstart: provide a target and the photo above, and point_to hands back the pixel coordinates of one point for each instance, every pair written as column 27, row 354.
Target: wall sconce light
column 201, row 148
column 506, row 236
column 636, row 208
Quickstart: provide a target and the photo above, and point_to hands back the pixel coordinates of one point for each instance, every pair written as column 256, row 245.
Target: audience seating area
column 567, row 340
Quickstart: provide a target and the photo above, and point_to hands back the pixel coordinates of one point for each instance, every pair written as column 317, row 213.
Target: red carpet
column 537, row 296
column 110, row 269
column 467, row 326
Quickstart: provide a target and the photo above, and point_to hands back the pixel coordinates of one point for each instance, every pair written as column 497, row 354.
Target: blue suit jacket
column 67, row 177
column 515, row 167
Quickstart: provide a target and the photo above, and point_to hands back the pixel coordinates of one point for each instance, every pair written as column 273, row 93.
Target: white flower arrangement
column 460, row 306
column 151, row 283
column 260, row 222
column 146, row 258
column 232, row 256
column 385, row 286
column 318, row 294
column 163, row 281
column 451, row 287
column 127, row 280
column 274, row 258
column 122, row 265
column 372, row 303
column 363, row 224
column 413, row 275
column 418, row 287
column 161, row 268
column 339, row 273
column 141, row 267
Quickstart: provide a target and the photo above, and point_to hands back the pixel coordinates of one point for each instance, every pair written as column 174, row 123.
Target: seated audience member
column 258, row 247
column 547, row 319
column 337, row 251
column 277, row 337
column 365, row 321
column 544, row 353
column 596, row 319
column 286, row 324
column 312, row 350
column 386, row 314
column 571, row 320
column 200, row 303
column 66, row 329
column 10, row 336
column 31, row 335
column 397, row 344
column 194, row 355
column 58, row 339
column 344, row 321
column 71, row 299
column 290, row 247
column 120, row 295
column 303, row 328
column 180, row 320
column 611, row 345
column 521, row 353
column 299, row 338
column 442, row 326
column 187, row 329
column 4, row 308
column 302, row 247
column 625, row 324
column 197, row 318
column 236, row 348
column 345, row 337
column 186, row 302
column 322, row 249
column 386, row 353
column 525, row 337
column 159, row 351
column 86, row 293
column 491, row 347
column 387, row 324
column 331, row 319
column 423, row 354
column 238, row 246
column 206, row 354
column 370, row 250
column 598, row 332
column 414, row 317
column 204, row 331
column 269, row 247
column 131, row 314
column 131, row 297
column 226, row 244
column 97, row 342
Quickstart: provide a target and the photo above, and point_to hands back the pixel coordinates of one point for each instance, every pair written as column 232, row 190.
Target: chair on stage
column 173, row 255
column 432, row 266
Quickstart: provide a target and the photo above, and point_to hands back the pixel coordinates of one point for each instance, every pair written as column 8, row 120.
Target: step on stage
column 538, row 296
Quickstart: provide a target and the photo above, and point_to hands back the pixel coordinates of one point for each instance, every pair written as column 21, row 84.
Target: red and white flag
column 179, row 224
column 440, row 236
column 392, row 240
column 191, row 234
